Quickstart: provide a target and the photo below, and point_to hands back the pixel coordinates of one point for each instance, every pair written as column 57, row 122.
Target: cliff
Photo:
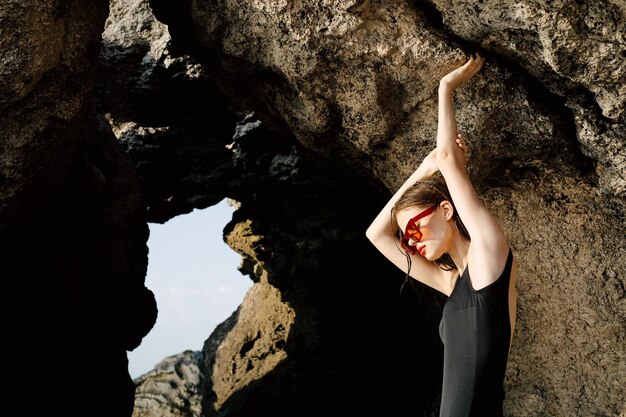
column 308, row 115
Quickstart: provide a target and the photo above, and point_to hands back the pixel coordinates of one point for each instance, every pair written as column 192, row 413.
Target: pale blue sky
column 194, row 277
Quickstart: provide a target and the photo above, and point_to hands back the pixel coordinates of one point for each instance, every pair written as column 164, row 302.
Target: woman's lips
column 421, row 249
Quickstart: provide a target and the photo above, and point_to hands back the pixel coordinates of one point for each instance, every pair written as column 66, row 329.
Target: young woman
column 436, row 226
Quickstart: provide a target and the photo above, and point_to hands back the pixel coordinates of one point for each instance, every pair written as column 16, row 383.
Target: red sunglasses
column 413, row 231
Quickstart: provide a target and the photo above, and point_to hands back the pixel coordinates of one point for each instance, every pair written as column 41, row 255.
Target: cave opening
column 193, row 275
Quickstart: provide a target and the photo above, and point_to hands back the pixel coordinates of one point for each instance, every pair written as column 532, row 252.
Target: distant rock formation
column 172, row 388
column 307, row 115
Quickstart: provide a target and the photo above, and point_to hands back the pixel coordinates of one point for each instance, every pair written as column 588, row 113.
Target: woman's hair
column 428, row 192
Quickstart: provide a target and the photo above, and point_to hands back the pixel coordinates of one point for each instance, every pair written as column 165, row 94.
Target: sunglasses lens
column 414, row 235
column 410, row 249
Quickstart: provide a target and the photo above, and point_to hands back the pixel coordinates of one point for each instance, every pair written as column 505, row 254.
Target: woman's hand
column 461, row 75
column 462, row 144
column 429, row 164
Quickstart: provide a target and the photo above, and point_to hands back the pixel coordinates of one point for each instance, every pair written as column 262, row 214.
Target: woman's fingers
column 460, row 140
column 475, row 64
column 472, row 66
column 478, row 62
column 463, row 73
column 462, row 144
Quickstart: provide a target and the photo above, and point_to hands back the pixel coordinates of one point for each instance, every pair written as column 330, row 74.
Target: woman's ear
column 448, row 209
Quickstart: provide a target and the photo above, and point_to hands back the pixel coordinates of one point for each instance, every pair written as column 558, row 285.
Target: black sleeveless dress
column 476, row 332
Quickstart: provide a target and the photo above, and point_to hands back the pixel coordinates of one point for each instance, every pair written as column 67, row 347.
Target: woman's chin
column 425, row 254
column 431, row 255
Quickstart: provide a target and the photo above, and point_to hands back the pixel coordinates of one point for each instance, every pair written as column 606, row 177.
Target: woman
column 454, row 244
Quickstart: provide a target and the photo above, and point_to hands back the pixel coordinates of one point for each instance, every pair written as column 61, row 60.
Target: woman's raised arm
column 488, row 248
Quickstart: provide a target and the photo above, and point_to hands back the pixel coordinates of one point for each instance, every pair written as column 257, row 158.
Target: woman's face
column 434, row 227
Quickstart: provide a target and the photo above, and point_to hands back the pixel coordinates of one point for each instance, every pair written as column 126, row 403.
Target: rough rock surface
column 46, row 74
column 308, row 115
column 73, row 226
column 356, row 81
column 171, row 389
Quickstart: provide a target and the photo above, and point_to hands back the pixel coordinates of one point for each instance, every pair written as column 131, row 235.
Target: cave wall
column 73, row 228
column 309, row 116
column 46, row 76
column 355, row 81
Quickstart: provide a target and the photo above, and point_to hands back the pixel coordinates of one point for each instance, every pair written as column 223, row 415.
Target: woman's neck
column 458, row 252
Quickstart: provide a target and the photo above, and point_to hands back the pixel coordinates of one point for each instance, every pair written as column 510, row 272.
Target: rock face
column 309, row 115
column 172, row 388
column 46, row 78
column 73, row 226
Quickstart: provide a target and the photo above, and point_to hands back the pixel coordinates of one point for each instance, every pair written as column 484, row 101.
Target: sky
column 194, row 277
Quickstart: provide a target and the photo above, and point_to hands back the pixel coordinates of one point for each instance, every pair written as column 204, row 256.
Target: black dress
column 476, row 332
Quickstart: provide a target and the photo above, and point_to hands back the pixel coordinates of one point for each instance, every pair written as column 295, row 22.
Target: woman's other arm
column 381, row 235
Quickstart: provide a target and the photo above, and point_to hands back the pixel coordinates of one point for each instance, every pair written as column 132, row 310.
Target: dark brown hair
column 428, row 192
